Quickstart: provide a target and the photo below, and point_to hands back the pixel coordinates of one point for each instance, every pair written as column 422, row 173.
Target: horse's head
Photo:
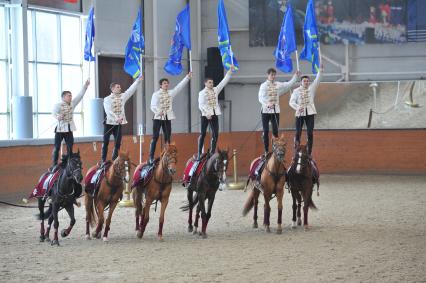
column 220, row 165
column 301, row 158
column 121, row 164
column 279, row 147
column 74, row 167
column 169, row 158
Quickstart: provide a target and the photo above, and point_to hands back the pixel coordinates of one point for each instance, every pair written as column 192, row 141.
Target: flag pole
column 297, row 61
column 232, row 55
column 190, row 61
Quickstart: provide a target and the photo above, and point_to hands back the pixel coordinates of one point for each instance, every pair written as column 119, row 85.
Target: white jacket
column 63, row 112
column 296, row 98
column 158, row 106
column 203, row 98
column 281, row 87
column 108, row 104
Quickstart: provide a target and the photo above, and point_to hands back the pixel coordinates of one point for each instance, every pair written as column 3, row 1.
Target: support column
column 94, row 114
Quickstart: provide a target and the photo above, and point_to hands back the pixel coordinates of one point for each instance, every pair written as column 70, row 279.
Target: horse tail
column 249, row 203
column 190, row 205
column 311, row 204
column 90, row 210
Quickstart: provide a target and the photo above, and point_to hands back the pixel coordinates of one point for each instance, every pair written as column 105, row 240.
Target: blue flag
column 286, row 43
column 134, row 49
column 225, row 48
column 181, row 39
column 90, row 36
column 311, row 38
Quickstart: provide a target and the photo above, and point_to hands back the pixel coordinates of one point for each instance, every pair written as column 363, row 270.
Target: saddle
column 94, row 177
column 144, row 173
column 45, row 183
column 194, row 168
column 258, row 166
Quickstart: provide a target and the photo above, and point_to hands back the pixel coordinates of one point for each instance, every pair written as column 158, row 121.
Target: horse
column 109, row 194
column 156, row 187
column 272, row 180
column 63, row 194
column 205, row 186
column 300, row 181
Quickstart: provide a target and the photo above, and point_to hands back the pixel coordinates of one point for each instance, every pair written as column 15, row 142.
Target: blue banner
column 286, row 43
column 90, row 37
column 224, row 39
column 134, row 49
column 311, row 38
column 181, row 39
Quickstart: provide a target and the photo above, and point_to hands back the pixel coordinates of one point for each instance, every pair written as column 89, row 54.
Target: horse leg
column 112, row 206
column 197, row 217
column 280, row 195
column 138, row 207
column 70, row 211
column 267, row 212
column 164, row 202
column 145, row 216
column 255, row 204
column 299, row 205
column 41, row 209
column 305, row 215
column 55, row 210
column 294, row 210
column 88, row 203
column 202, row 205
column 49, row 224
column 100, row 206
column 191, row 207
column 209, row 213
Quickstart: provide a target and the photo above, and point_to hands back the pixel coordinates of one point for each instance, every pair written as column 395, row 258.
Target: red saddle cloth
column 45, row 183
column 143, row 174
column 94, row 177
column 186, row 173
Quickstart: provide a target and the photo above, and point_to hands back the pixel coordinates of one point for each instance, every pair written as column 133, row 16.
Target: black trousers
column 309, row 120
column 109, row 130
column 274, row 118
column 214, row 126
column 166, row 125
column 69, row 141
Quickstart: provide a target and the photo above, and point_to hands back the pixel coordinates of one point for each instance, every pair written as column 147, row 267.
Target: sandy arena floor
column 367, row 229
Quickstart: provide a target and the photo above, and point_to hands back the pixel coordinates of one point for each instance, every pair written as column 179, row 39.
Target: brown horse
column 272, row 182
column 109, row 194
column 156, row 189
column 300, row 181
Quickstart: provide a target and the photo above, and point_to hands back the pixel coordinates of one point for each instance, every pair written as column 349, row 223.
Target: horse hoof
column 105, row 239
column 54, row 242
column 190, row 229
column 299, row 222
column 279, row 231
column 139, row 234
column 88, row 237
column 255, row 225
column 268, row 230
column 294, row 225
column 64, row 233
column 204, row 235
column 160, row 238
column 42, row 238
column 195, row 232
column 306, row 228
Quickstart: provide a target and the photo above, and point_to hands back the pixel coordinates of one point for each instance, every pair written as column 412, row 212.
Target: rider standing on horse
column 162, row 106
column 114, row 109
column 210, row 110
column 63, row 112
column 302, row 100
column 269, row 93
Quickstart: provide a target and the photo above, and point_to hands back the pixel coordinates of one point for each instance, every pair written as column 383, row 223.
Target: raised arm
column 132, row 89
column 317, row 80
column 180, row 85
column 224, row 82
column 284, row 87
column 80, row 95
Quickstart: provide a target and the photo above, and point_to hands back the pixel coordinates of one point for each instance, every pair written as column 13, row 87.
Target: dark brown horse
column 271, row 183
column 109, row 194
column 205, row 187
column 158, row 188
column 300, row 181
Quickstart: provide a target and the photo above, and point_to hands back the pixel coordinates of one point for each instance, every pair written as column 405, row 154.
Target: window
column 4, row 76
column 55, row 64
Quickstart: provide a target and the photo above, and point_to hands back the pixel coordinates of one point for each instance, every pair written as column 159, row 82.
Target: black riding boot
column 200, row 147
column 152, row 151
column 213, row 146
column 310, row 144
column 114, row 153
